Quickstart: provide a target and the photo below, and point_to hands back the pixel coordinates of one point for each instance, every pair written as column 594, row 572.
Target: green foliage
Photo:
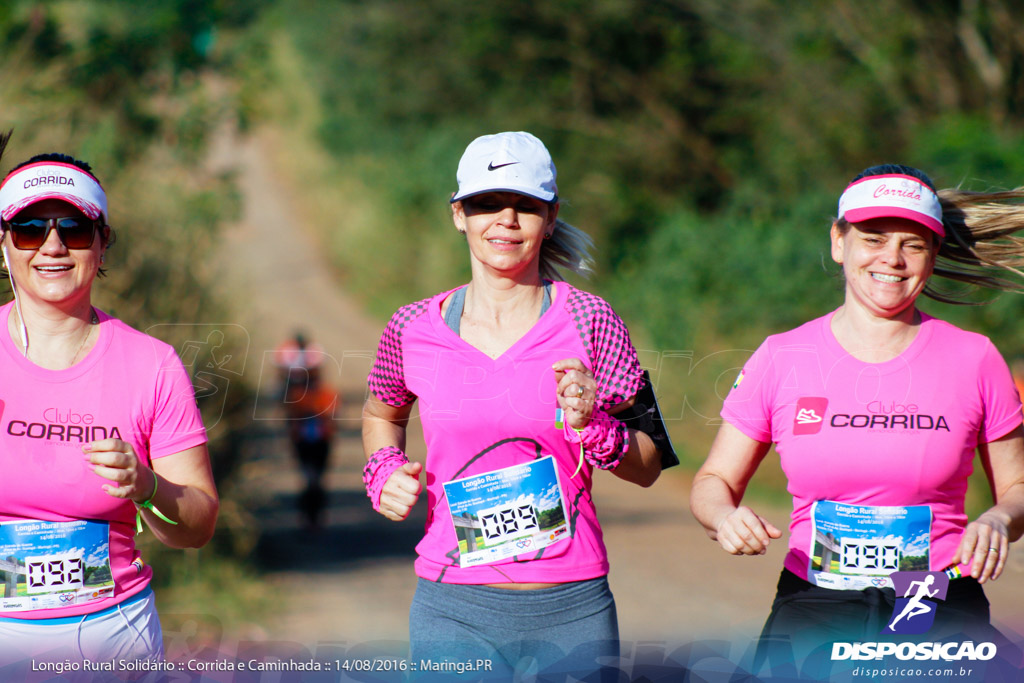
column 914, row 563
column 969, row 152
column 734, row 114
column 97, row 576
column 728, row 274
column 551, row 518
column 406, row 85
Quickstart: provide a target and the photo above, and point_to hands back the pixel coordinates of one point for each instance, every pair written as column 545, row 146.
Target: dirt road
column 351, row 584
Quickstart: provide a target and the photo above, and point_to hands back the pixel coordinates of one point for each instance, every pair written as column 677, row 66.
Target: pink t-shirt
column 482, row 414
column 899, row 433
column 130, row 386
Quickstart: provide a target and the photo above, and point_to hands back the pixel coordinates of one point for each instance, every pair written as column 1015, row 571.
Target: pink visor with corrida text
column 52, row 180
column 892, row 196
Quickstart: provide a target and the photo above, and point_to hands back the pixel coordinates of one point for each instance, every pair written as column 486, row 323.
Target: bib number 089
column 507, row 521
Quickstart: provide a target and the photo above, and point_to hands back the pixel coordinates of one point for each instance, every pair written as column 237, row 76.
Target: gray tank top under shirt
column 457, row 303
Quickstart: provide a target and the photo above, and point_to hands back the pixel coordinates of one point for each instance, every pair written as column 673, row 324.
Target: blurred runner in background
column 309, row 406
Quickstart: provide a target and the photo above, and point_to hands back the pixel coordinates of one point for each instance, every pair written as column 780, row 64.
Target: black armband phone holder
column 645, row 416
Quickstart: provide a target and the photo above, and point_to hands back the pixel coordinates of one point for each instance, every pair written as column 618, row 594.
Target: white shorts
column 129, row 631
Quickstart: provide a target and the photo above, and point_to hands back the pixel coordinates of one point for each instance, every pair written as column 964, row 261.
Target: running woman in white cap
column 99, row 433
column 877, row 411
column 520, row 380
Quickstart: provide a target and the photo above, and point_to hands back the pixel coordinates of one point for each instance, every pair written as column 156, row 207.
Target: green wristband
column 148, row 504
column 579, row 435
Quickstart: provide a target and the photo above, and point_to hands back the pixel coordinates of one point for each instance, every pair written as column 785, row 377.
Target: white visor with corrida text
column 892, row 196
column 52, row 180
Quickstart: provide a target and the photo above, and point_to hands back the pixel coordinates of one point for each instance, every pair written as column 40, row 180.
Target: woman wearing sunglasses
column 520, row 378
column 99, row 432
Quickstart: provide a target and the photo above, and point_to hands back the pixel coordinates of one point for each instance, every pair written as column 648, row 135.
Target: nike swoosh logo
column 806, row 416
column 492, row 167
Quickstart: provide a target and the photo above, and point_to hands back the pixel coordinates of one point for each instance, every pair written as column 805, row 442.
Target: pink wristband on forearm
column 605, row 440
column 380, row 466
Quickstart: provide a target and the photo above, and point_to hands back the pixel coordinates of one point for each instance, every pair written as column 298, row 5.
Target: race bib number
column 857, row 546
column 54, row 564
column 507, row 512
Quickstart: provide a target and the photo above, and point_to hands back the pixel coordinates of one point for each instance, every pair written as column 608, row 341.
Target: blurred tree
column 702, row 142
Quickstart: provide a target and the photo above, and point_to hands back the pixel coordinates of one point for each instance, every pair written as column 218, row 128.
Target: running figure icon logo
column 917, row 596
column 809, row 415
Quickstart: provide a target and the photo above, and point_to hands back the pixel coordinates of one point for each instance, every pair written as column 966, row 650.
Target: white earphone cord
column 17, row 304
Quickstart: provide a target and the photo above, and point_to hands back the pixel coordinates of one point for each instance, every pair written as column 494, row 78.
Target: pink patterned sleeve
column 606, row 340
column 387, row 377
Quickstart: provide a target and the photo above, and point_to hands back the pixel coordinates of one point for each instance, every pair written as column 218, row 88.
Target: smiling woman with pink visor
column 99, row 432
column 877, row 411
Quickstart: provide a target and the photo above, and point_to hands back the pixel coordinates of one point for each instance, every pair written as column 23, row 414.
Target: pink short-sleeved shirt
column 129, row 386
column 482, row 414
column 899, row 433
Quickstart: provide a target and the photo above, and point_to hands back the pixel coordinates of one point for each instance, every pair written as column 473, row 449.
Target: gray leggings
column 570, row 629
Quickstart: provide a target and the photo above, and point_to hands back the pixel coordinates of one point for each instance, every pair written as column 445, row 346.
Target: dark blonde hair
column 569, row 247
column 982, row 247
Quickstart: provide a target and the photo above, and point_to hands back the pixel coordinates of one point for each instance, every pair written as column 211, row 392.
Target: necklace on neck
column 88, row 333
column 93, row 320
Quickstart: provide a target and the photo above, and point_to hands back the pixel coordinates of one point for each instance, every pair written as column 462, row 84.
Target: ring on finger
column 579, row 391
column 993, row 550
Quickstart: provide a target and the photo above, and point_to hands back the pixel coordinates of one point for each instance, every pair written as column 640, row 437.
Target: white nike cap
column 507, row 162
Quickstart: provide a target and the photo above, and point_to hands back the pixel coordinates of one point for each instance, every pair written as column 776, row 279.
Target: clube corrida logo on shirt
column 60, row 425
column 811, row 414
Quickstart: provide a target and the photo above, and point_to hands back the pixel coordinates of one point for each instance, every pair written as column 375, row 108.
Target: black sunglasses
column 32, row 233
